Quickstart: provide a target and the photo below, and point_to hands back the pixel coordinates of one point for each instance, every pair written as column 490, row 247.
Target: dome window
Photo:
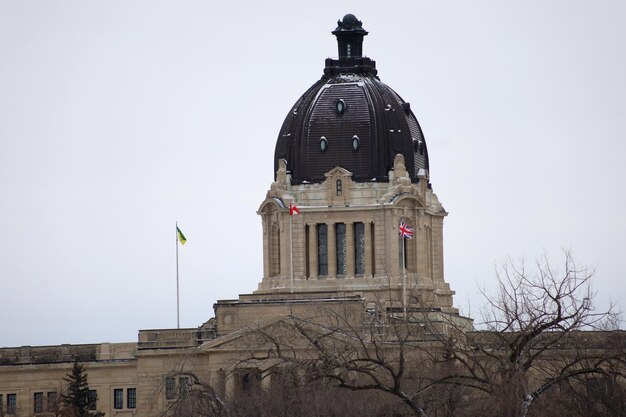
column 323, row 144
column 340, row 106
column 356, row 143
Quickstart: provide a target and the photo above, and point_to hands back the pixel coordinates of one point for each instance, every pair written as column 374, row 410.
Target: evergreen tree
column 75, row 397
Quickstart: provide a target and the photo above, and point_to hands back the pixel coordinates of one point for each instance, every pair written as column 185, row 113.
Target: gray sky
column 119, row 118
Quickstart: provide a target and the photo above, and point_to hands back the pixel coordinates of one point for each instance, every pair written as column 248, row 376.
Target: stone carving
column 282, row 180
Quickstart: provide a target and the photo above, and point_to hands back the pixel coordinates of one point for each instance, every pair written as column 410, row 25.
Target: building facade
column 351, row 167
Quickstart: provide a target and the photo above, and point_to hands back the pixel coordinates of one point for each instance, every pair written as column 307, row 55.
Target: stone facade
column 211, row 351
column 291, row 243
column 342, row 255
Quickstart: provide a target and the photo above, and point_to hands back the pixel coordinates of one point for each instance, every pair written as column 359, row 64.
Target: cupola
column 349, row 118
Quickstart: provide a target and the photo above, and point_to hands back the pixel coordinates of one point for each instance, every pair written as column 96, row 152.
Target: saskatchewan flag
column 181, row 238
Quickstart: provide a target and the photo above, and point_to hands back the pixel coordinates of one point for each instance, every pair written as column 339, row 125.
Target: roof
column 349, row 118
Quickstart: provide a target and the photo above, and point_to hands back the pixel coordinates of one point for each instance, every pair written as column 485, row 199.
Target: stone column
column 350, row 250
column 332, row 251
column 312, row 250
column 369, row 246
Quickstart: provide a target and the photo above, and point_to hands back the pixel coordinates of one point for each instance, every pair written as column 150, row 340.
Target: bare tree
column 589, row 395
column 360, row 349
column 287, row 395
column 537, row 333
column 191, row 397
column 540, row 330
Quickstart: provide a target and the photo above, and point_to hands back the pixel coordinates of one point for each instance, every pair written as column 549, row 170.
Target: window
column 359, row 248
column 92, row 399
column 170, row 388
column 355, row 143
column 250, row 380
column 38, row 402
column 339, row 187
column 340, row 106
column 1, row 406
column 402, row 258
column 323, row 144
column 131, row 398
column 183, row 384
column 340, row 238
column 118, row 398
column 408, row 260
column 52, row 401
column 284, row 377
column 322, row 249
column 11, row 403
column 275, row 250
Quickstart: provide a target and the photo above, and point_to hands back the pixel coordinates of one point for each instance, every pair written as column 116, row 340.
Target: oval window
column 340, row 106
column 323, row 144
column 356, row 143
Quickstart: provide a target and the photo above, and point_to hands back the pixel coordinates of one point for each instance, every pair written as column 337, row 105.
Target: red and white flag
column 293, row 209
column 405, row 230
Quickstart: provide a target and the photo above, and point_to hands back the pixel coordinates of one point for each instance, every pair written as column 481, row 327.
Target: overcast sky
column 119, row 118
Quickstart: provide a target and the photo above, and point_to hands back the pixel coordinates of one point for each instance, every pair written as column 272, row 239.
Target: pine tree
column 75, row 397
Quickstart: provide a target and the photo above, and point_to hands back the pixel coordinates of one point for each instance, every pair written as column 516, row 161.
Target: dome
column 349, row 118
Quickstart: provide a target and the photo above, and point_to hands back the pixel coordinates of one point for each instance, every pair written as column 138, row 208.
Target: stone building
column 351, row 165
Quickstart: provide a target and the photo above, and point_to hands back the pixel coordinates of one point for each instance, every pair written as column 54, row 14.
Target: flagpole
column 403, row 278
column 177, row 293
column 291, row 248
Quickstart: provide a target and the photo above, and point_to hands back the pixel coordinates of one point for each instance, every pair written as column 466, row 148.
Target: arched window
column 340, row 243
column 322, row 249
column 275, row 250
column 359, row 248
column 339, row 188
column 409, row 261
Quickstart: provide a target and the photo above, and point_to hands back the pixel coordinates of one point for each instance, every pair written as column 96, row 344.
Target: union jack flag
column 293, row 209
column 405, row 230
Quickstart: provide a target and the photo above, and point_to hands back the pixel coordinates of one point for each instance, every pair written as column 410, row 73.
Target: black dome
column 349, row 118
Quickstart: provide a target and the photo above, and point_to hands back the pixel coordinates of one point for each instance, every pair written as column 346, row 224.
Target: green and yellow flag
column 181, row 238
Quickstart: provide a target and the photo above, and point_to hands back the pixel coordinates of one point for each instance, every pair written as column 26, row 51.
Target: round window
column 340, row 106
column 356, row 143
column 323, row 144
